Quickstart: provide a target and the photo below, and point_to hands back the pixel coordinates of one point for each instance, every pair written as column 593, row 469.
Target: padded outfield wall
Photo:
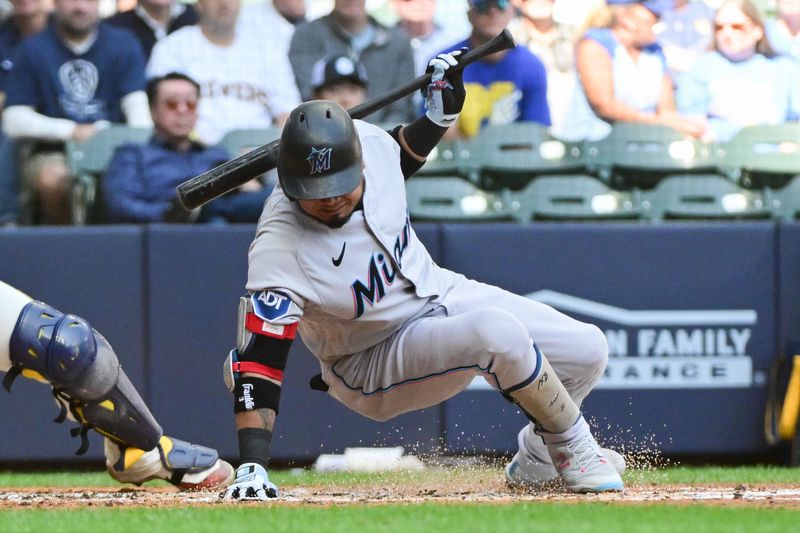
column 694, row 314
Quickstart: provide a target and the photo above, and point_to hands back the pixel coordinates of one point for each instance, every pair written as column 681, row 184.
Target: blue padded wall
column 166, row 297
column 789, row 294
column 669, row 267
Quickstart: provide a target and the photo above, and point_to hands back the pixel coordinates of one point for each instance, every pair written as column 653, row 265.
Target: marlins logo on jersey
column 319, row 159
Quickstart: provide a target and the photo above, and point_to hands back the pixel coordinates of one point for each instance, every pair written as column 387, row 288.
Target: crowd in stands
column 196, row 71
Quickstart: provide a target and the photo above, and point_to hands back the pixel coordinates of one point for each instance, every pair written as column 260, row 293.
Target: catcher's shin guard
column 85, row 373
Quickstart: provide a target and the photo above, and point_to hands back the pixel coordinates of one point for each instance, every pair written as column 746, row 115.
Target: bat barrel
column 227, row 176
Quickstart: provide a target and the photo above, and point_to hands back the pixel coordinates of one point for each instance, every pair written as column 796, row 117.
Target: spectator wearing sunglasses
column 139, row 185
column 741, row 82
column 246, row 79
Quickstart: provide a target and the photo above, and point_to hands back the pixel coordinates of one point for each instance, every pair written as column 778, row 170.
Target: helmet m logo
column 319, row 159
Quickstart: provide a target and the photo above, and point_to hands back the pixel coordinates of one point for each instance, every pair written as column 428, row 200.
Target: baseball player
column 63, row 350
column 336, row 259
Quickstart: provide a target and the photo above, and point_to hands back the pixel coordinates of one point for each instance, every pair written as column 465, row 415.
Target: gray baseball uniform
column 394, row 331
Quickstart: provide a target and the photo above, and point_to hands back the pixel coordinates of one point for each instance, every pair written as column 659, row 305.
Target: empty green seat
column 572, row 198
column 762, row 155
column 88, row 160
column 452, row 198
column 446, row 159
column 237, row 142
column 511, row 155
column 636, row 154
column 702, row 197
column 785, row 202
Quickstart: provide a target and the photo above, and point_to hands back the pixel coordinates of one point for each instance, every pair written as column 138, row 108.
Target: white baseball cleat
column 187, row 466
column 579, row 460
column 583, row 467
column 526, row 471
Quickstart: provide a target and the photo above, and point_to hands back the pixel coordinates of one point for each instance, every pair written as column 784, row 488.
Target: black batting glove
column 445, row 94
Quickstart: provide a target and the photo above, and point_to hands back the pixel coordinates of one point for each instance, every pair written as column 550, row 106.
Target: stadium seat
column 572, row 198
column 443, row 198
column 639, row 155
column 785, row 202
column 511, row 155
column 237, row 142
column 759, row 156
column 708, row 196
column 88, row 161
column 241, row 141
column 446, row 159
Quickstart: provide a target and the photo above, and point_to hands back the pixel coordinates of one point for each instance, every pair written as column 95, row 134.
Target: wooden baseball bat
column 239, row 170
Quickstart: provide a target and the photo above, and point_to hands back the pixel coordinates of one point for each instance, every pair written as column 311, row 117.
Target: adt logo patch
column 270, row 305
column 319, row 159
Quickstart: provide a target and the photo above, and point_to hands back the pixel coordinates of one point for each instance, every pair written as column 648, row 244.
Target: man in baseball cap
column 340, row 79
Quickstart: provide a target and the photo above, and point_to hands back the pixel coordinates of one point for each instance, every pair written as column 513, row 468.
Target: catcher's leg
column 89, row 384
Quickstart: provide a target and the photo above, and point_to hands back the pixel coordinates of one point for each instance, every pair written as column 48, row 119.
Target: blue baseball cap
column 657, row 7
column 484, row 5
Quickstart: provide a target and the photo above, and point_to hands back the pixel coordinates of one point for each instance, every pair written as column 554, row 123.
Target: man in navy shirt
column 68, row 81
column 139, row 185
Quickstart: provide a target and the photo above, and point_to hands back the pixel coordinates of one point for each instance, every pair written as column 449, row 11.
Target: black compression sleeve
column 421, row 136
column 254, row 444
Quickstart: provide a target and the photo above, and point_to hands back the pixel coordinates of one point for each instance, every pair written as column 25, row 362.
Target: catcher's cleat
column 526, row 471
column 185, row 465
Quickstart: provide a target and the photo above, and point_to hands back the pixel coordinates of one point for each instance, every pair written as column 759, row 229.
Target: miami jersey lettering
column 381, row 273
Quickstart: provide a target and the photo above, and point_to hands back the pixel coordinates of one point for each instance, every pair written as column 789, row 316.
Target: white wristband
column 444, row 121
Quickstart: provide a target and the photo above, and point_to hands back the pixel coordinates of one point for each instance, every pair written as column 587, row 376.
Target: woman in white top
column 623, row 75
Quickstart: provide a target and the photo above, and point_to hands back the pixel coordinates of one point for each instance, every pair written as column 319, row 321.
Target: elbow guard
column 253, row 371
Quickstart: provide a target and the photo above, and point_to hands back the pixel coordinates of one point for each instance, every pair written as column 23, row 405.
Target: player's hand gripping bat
column 239, row 170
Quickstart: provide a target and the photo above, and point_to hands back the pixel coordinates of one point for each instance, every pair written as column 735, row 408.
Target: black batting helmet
column 320, row 154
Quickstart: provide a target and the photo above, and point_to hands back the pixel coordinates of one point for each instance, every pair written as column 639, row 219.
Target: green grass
column 588, row 516
column 686, row 475
column 551, row 517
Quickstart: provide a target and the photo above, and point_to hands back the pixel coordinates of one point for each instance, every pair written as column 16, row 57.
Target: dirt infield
column 488, row 491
